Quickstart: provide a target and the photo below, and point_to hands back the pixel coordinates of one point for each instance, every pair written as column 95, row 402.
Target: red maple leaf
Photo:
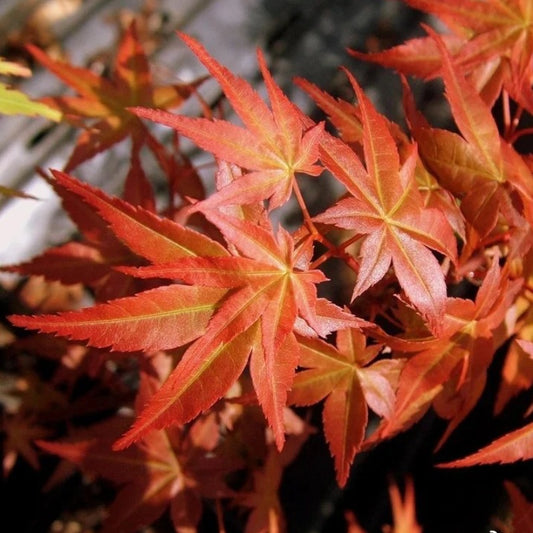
column 346, row 117
column 383, row 205
column 232, row 303
column 272, row 288
column 273, row 146
column 349, row 382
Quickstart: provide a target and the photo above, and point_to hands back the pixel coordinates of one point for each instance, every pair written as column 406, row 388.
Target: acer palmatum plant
column 214, row 309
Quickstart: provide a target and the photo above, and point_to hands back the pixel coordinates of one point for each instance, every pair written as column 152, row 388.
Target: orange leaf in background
column 169, row 468
column 403, row 510
column 104, row 102
column 266, row 514
column 491, row 40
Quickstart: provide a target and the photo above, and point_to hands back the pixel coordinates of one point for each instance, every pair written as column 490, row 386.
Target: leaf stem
column 332, row 249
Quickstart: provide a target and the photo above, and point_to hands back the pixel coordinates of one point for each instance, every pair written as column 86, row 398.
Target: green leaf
column 13, row 102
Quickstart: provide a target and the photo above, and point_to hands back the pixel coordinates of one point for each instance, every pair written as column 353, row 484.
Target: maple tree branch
column 308, row 221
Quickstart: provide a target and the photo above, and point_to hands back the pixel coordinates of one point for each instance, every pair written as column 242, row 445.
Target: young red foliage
column 383, row 204
column 273, row 286
column 235, row 304
column 232, row 297
column 345, row 377
column 274, row 145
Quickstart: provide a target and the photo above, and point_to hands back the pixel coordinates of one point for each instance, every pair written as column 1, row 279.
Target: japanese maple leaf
column 491, row 40
column 479, row 167
column 169, row 468
column 346, row 117
column 233, row 304
column 450, row 371
column 103, row 102
column 273, row 146
column 384, row 205
column 272, row 288
column 345, row 377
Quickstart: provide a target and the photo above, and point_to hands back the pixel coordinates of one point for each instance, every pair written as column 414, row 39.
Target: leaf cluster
column 209, row 324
